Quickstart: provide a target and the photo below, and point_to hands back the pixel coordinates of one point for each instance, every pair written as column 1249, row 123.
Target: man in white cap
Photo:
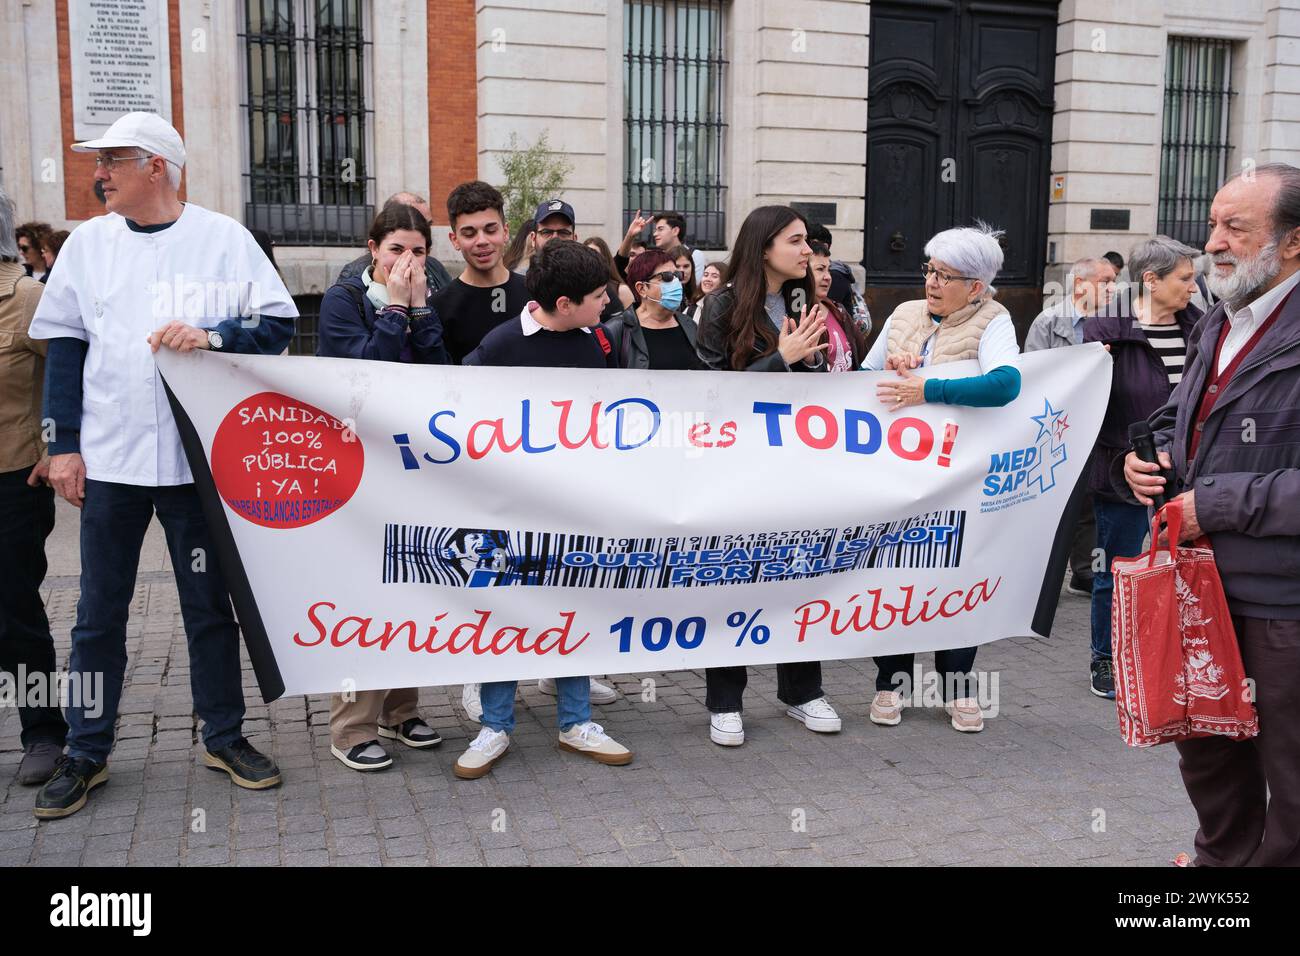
column 154, row 272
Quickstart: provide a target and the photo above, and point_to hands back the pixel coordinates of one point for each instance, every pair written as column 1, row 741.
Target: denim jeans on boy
column 1121, row 529
column 572, row 703
column 114, row 519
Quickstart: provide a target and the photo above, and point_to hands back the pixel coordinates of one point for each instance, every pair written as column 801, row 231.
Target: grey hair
column 1159, row 254
column 974, row 250
column 173, row 171
column 1286, row 205
column 1084, row 269
column 406, row 198
column 173, row 174
column 8, row 241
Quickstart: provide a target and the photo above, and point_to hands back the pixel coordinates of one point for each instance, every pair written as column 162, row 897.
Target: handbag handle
column 1172, row 512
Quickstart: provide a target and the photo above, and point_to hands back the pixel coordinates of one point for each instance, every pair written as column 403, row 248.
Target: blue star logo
column 1049, row 420
column 1051, row 445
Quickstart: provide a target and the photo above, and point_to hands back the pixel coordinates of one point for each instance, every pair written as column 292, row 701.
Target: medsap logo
column 1020, row 474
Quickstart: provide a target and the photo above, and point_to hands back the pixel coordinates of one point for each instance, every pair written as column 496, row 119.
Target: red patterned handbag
column 1178, row 670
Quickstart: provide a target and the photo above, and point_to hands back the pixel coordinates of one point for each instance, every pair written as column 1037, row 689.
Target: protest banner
column 391, row 525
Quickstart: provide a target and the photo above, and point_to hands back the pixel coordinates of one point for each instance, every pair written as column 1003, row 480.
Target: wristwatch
column 214, row 341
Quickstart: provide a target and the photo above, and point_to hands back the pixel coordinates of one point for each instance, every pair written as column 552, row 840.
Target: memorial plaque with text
column 120, row 62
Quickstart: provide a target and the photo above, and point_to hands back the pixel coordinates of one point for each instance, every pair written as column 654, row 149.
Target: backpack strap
column 359, row 300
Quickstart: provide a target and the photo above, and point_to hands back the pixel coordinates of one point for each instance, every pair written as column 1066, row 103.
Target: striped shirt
column 1169, row 344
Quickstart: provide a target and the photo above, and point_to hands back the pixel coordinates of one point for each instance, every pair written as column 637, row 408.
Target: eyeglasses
column 108, row 161
column 24, row 249
column 669, row 276
column 944, row 277
column 555, row 233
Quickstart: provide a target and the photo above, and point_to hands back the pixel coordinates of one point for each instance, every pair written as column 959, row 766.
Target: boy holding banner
column 483, row 296
column 568, row 283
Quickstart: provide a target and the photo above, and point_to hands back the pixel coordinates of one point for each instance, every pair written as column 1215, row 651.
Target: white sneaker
column 590, row 739
column 817, row 715
column 481, row 754
column 727, row 730
column 469, row 700
column 600, row 694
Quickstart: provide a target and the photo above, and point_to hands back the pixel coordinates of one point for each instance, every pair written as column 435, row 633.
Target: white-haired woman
column 957, row 320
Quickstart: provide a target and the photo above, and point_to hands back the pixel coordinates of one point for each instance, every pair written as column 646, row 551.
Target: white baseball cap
column 147, row 131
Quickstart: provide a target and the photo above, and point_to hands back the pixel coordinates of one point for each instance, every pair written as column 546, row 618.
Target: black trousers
column 796, row 684
column 954, row 666
column 1247, row 792
column 1085, row 539
column 26, row 520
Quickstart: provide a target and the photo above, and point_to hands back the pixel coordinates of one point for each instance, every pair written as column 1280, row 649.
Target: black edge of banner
column 269, row 681
column 1049, row 595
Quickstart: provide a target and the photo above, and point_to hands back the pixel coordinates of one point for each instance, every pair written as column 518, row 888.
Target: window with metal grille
column 1194, row 149
column 307, row 106
column 674, row 64
column 306, row 332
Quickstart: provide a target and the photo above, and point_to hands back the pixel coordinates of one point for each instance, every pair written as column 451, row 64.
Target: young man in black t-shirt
column 558, row 329
column 486, row 293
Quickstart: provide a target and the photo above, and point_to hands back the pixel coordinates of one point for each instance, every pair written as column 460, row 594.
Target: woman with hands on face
column 384, row 313
column 956, row 321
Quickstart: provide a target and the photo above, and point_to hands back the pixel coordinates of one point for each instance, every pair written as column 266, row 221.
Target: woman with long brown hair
column 749, row 325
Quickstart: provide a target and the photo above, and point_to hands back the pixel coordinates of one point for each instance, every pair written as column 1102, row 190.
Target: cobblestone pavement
column 1048, row 782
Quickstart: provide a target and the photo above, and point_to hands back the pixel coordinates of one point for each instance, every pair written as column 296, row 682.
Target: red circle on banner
column 282, row 463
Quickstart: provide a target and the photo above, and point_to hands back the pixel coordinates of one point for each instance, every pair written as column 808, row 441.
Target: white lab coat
column 113, row 287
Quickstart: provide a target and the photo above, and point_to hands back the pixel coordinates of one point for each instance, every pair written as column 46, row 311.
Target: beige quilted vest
column 958, row 335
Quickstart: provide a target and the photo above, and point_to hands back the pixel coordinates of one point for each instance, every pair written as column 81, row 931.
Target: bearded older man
column 1230, row 433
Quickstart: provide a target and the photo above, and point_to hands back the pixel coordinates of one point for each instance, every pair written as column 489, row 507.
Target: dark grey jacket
column 1247, row 471
column 628, row 339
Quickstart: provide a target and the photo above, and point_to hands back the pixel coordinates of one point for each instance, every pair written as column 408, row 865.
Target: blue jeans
column 1121, row 529
column 572, row 696
column 114, row 519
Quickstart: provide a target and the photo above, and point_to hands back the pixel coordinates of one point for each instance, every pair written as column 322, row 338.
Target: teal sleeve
column 990, row 390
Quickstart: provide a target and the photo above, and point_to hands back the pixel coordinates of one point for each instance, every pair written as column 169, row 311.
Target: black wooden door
column 959, row 127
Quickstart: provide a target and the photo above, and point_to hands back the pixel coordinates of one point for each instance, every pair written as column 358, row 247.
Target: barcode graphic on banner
column 477, row 557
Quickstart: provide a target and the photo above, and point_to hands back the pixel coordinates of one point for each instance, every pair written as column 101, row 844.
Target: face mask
column 670, row 295
column 376, row 292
